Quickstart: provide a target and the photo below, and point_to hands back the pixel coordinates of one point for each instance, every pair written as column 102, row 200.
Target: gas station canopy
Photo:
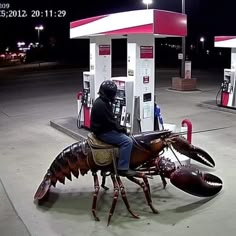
column 118, row 25
column 225, row 41
column 140, row 27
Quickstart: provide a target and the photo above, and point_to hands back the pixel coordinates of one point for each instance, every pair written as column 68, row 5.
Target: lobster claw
column 182, row 146
column 192, row 181
column 201, row 156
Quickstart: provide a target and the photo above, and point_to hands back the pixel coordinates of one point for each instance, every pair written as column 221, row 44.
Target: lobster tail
column 68, row 161
column 43, row 187
column 62, row 166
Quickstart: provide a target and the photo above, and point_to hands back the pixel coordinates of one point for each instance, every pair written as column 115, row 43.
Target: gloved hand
column 123, row 130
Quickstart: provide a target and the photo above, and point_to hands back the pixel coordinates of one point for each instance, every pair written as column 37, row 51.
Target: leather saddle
column 103, row 153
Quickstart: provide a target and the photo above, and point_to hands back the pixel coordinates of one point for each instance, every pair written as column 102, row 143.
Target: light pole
column 147, row 2
column 202, row 40
column 183, row 46
column 39, row 28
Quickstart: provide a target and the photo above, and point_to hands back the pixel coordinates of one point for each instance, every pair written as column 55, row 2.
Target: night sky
column 205, row 17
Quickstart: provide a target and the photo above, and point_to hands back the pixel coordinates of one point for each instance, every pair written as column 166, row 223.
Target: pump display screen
column 119, row 104
column 120, row 93
column 227, row 79
column 86, row 85
column 147, row 97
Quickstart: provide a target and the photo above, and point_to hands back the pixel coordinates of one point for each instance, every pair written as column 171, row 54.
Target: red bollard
column 79, row 100
column 188, row 123
column 80, row 118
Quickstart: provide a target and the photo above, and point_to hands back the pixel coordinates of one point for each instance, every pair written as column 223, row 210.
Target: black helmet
column 108, row 89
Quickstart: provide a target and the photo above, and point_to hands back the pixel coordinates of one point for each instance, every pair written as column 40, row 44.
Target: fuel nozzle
column 127, row 123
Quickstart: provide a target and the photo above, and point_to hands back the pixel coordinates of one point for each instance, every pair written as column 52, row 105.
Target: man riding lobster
column 107, row 129
column 136, row 157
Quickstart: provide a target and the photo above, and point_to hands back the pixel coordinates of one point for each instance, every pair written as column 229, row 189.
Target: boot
column 127, row 173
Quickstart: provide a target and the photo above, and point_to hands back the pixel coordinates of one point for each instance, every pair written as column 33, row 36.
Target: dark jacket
column 102, row 117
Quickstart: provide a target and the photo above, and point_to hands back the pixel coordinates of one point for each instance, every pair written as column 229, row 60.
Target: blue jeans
column 124, row 143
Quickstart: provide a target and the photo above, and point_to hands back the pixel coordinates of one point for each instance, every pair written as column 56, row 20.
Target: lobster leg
column 104, row 181
column 146, row 191
column 145, row 180
column 124, row 198
column 95, row 195
column 163, row 180
column 115, row 198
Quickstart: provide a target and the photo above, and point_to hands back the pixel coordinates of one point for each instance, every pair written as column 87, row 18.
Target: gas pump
column 228, row 89
column 87, row 98
column 123, row 105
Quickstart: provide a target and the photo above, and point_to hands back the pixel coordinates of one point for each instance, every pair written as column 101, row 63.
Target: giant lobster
column 146, row 159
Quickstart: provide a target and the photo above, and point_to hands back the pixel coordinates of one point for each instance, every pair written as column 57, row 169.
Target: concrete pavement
column 10, row 221
column 35, row 65
column 28, row 145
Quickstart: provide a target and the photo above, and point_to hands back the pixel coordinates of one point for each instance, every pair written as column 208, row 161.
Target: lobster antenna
column 175, row 155
column 201, row 131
